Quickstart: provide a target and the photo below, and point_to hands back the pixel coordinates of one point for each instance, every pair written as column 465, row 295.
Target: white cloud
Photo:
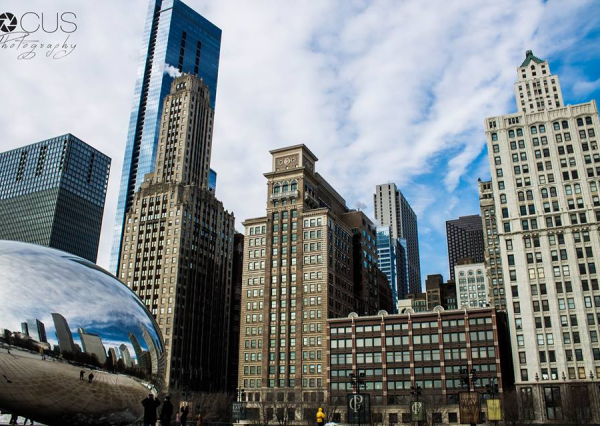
column 380, row 91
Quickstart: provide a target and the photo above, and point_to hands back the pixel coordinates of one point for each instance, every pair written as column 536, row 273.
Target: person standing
column 166, row 412
column 150, row 405
column 90, row 377
column 81, row 374
column 320, row 417
column 184, row 413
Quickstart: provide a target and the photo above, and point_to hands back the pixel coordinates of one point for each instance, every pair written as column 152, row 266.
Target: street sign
column 417, row 411
column 469, row 408
column 359, row 408
column 494, row 413
column 239, row 411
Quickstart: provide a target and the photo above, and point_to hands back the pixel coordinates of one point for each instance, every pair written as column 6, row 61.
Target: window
column 553, row 402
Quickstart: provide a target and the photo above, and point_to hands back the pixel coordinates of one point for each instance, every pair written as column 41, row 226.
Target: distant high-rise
column 126, row 355
column 52, row 193
column 176, row 39
column 392, row 261
column 465, row 240
column 493, row 259
column 63, row 334
column 183, row 269
column 391, row 208
column 36, row 330
column 92, row 344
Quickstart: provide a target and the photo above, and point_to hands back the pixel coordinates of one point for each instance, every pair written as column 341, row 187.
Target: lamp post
column 492, row 389
column 240, row 394
column 357, row 380
column 469, row 378
column 415, row 390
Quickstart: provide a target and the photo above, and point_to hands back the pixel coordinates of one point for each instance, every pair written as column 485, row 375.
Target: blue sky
column 380, row 90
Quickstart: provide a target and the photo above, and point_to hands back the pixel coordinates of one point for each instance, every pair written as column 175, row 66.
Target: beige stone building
column 309, row 259
column 544, row 162
column 178, row 243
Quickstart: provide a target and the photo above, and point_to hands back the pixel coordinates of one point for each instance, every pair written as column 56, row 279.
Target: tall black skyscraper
column 52, row 193
column 465, row 240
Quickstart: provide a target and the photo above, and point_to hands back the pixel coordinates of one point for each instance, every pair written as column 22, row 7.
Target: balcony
column 288, row 194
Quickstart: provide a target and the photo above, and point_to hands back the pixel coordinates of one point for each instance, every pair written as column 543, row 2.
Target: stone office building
column 177, row 248
column 428, row 349
column 309, row 259
column 544, row 162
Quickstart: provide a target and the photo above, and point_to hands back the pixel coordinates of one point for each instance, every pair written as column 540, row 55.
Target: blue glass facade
column 212, row 181
column 393, row 262
column 52, row 193
column 175, row 36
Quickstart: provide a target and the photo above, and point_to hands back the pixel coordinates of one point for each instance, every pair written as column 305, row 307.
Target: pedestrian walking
column 90, row 377
column 13, row 419
column 150, row 405
column 81, row 374
column 198, row 420
column 184, row 413
column 166, row 412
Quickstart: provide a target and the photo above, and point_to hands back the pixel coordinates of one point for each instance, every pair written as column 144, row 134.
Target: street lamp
column 492, row 389
column 240, row 394
column 357, row 381
column 415, row 390
column 469, row 378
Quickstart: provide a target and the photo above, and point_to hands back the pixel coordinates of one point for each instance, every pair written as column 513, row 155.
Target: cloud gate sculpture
column 76, row 345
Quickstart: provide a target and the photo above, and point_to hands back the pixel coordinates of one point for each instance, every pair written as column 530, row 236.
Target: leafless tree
column 434, row 409
column 576, row 408
column 213, row 407
column 516, row 411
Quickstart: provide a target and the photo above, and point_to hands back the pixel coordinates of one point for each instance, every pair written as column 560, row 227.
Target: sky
column 381, row 91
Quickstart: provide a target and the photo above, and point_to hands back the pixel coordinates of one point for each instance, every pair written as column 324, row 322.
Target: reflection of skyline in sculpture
column 151, row 348
column 79, row 304
column 126, row 356
column 140, row 354
column 92, row 344
column 113, row 356
column 63, row 334
column 35, row 329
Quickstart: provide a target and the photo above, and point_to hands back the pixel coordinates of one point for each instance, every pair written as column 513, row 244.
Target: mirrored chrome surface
column 61, row 315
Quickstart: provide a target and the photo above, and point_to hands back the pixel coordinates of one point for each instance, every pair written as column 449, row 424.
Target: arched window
column 494, row 136
column 544, row 193
column 285, row 187
column 503, row 198
column 276, row 188
column 521, row 196
column 552, row 191
column 568, row 190
column 529, row 194
column 294, row 186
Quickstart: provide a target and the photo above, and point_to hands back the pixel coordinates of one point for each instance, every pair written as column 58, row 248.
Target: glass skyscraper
column 176, row 39
column 393, row 262
column 52, row 193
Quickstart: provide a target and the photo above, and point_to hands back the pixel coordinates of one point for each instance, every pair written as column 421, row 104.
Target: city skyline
column 451, row 148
